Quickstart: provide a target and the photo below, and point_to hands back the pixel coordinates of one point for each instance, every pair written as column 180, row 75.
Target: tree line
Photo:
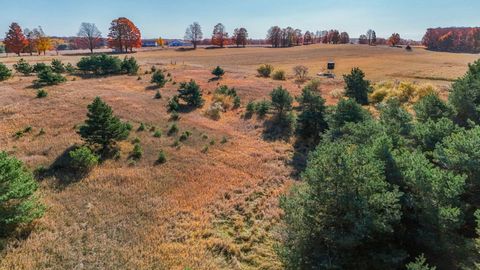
column 123, row 36
column 453, row 39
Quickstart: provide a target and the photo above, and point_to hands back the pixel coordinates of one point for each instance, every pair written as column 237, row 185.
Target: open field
column 213, row 210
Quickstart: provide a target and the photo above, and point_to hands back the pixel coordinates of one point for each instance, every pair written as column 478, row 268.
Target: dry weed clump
column 404, row 91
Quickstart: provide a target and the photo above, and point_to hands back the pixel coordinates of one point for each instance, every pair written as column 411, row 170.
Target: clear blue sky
column 169, row 18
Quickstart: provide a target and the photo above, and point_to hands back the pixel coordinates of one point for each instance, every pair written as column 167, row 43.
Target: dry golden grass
column 213, row 210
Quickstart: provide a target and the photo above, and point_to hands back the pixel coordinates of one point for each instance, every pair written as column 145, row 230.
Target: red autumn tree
column 394, row 39
column 124, row 35
column 453, row 39
column 220, row 36
column 15, row 41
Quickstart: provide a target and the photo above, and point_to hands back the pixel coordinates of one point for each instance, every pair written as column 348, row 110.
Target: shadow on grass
column 301, row 149
column 274, row 129
column 214, row 79
column 183, row 108
column 152, row 87
column 60, row 170
column 183, row 49
column 14, row 233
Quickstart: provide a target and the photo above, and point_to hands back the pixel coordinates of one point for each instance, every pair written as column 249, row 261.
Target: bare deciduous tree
column 194, row 34
column 274, row 36
column 89, row 35
column 301, row 72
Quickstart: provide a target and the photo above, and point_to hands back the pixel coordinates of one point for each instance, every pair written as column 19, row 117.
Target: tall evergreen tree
column 356, row 86
column 311, row 121
column 102, row 127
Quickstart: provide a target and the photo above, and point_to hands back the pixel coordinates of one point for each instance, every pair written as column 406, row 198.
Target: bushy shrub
column 184, row 136
column 18, row 203
column 48, row 77
column 158, row 78
column 157, row 134
column 279, row 75
column 405, row 92
column 157, row 95
column 225, row 90
column 39, row 67
column 100, row 64
column 236, row 102
column 162, row 157
column 251, row 107
column 227, row 97
column 137, row 152
column 69, row 68
column 130, row 66
column 83, row 159
column 215, row 111
column 262, row 107
column 23, row 67
column 173, row 129
column 265, row 70
column 218, row 72
column 173, row 105
column 58, row 66
column 5, row 73
column 191, row 93
column 174, row 116
column 313, row 85
column 226, row 102
column 41, row 93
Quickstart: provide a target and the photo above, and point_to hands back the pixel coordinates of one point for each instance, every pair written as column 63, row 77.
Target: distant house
column 149, row 43
column 178, row 43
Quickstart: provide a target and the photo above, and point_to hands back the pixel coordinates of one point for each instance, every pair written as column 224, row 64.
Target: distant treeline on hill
column 453, row 39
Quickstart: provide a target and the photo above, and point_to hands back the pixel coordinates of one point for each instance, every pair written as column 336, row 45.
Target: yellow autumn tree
column 160, row 42
column 44, row 44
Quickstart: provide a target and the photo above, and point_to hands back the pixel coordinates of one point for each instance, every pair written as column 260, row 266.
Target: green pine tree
column 102, row 127
column 356, row 86
column 18, row 203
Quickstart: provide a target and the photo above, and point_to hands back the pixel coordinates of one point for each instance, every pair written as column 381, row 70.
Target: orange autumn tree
column 160, row 42
column 394, row 39
column 15, row 40
column 124, row 35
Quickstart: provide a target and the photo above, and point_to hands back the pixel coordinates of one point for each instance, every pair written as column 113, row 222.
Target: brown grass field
column 213, row 210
